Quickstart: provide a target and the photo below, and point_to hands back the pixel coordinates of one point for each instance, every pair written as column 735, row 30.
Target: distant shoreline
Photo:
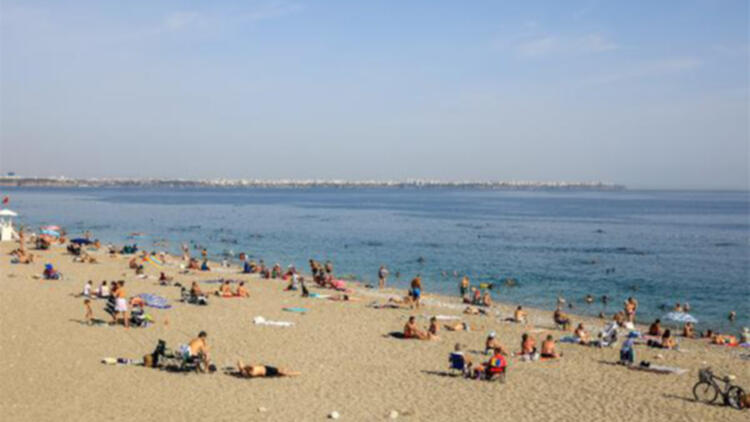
column 62, row 182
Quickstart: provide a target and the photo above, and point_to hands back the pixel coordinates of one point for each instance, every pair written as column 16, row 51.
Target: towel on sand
column 259, row 320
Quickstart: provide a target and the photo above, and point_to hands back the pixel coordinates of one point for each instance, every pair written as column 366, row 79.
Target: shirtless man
column 241, row 290
column 199, row 348
column 434, row 327
column 519, row 315
column 528, row 345
column 121, row 304
column 225, row 290
column 561, row 318
column 412, row 331
column 548, row 348
column 492, row 343
column 195, row 290
column 252, row 371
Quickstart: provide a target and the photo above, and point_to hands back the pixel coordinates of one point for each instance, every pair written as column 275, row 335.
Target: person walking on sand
column 382, row 276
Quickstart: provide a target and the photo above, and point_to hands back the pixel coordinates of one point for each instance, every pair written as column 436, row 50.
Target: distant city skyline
column 647, row 95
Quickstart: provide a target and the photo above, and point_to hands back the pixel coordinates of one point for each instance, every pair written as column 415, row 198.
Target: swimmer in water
column 589, row 299
column 732, row 316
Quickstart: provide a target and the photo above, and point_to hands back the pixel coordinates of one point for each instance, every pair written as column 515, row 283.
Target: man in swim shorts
column 199, row 348
column 253, row 371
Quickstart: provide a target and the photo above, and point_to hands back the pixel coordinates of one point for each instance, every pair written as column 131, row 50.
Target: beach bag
column 148, row 360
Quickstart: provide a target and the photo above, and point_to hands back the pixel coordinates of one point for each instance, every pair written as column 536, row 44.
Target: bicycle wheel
column 705, row 392
column 734, row 397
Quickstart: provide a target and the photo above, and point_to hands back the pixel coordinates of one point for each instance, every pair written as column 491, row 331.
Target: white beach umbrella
column 8, row 213
column 681, row 317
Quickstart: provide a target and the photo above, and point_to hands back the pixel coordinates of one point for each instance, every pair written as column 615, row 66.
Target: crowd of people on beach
column 128, row 311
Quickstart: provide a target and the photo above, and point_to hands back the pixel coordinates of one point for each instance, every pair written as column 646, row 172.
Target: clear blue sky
column 648, row 94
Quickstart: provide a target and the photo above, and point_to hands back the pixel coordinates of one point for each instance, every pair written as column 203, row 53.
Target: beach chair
column 457, row 363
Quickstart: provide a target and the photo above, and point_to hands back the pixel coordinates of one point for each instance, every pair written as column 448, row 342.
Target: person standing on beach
column 382, row 276
column 463, row 288
column 416, row 291
column 121, row 304
column 631, row 306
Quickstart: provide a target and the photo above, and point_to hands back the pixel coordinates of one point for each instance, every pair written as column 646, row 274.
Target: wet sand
column 52, row 371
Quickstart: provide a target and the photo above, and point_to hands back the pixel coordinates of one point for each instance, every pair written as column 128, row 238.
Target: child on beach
column 627, row 351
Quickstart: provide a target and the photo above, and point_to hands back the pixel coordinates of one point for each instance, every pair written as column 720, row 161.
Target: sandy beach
column 52, row 366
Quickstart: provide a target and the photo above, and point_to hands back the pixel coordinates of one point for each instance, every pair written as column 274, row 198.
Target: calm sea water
column 661, row 247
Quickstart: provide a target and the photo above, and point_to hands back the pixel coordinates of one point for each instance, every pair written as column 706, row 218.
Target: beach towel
column 659, row 369
column 298, row 310
column 319, row 296
column 570, row 339
column 259, row 320
column 154, row 301
column 444, row 317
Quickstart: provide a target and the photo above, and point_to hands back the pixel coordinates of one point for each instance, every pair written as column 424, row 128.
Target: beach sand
column 52, row 366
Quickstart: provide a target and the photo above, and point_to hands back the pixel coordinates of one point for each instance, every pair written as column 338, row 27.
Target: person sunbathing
column 655, row 328
column 434, row 327
column 582, row 335
column 528, row 345
column 519, row 315
column 472, row 310
column 195, row 290
column 462, row 326
column 491, row 344
column 548, row 348
column 344, row 298
column 198, row 347
column 241, row 290
column 412, row 331
column 164, row 280
column 667, row 341
column 225, row 290
column 723, row 339
column 561, row 318
column 254, row 371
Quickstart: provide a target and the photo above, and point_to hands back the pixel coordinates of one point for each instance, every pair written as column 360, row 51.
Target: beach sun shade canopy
column 681, row 317
column 8, row 213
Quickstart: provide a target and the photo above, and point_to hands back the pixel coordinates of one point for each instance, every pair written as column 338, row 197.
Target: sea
column 660, row 247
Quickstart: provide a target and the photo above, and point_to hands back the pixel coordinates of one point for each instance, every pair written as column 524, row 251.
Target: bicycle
column 707, row 389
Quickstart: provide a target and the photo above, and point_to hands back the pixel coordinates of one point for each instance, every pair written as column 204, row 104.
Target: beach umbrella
column 681, row 317
column 81, row 241
column 8, row 213
column 50, row 232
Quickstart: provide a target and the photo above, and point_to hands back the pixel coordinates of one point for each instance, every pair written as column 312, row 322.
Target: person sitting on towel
column 548, row 348
column 241, row 290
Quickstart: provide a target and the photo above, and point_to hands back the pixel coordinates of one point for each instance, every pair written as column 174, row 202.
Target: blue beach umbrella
column 681, row 317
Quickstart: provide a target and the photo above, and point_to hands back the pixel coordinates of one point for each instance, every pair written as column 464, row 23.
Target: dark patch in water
column 724, row 244
column 183, row 229
column 373, row 243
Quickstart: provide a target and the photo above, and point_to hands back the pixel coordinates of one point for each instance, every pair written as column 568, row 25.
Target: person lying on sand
column 462, row 326
column 472, row 310
column 582, row 335
column 198, row 347
column 412, row 331
column 241, row 290
column 548, row 348
column 255, row 371
column 723, row 339
column 344, row 298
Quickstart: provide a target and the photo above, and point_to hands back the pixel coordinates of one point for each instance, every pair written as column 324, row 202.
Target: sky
column 645, row 94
